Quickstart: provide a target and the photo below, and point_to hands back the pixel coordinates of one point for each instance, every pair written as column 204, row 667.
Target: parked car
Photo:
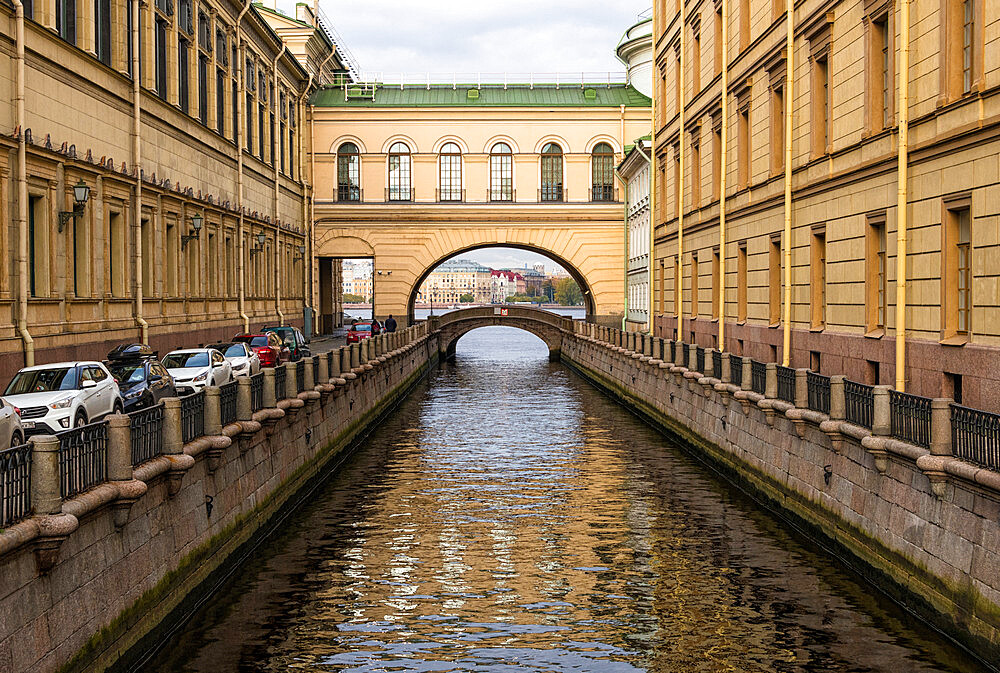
column 243, row 359
column 63, row 395
column 142, row 380
column 10, row 425
column 363, row 329
column 195, row 368
column 293, row 339
column 269, row 348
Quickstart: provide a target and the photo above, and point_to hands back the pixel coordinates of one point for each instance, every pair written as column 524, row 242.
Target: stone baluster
column 838, row 403
column 324, row 367
column 679, row 354
column 213, row 410
column 727, row 372
column 173, row 436
column 309, row 374
column 244, row 399
column 941, row 426
column 46, row 495
column 771, row 381
column 747, row 374
column 291, row 381
column 802, row 388
column 881, row 412
column 355, row 355
column 270, row 394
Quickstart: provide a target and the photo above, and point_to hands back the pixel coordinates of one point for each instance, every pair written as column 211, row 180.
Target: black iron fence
column 699, row 359
column 256, row 392
column 280, row 375
column 685, row 354
column 859, row 403
column 758, row 377
column 786, row 384
column 300, row 376
column 736, row 370
column 227, row 402
column 819, row 392
column 975, row 436
column 717, row 365
column 314, row 362
column 83, row 458
column 15, row 484
column 672, row 345
column 146, row 426
column 192, row 416
column 910, row 418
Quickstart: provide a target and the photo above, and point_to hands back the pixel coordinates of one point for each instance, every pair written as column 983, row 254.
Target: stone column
column 345, row 359
column 679, row 354
column 291, row 382
column 802, row 388
column 244, row 402
column 324, row 367
column 119, row 448
column 46, row 497
column 727, row 372
column 747, row 374
column 838, row 403
column 771, row 382
column 648, row 348
column 270, row 394
column 881, row 423
column 173, row 437
column 213, row 411
column 355, row 355
column 941, row 426
column 310, row 377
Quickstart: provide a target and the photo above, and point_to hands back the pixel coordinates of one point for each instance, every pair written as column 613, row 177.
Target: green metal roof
column 492, row 95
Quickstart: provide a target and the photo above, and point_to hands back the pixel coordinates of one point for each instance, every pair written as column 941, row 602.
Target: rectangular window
column 171, row 262
column 235, row 98
column 183, row 76
column 880, row 72
column 875, row 277
column 716, row 161
column 957, row 280
column 678, row 87
column 102, row 30
column 678, row 289
column 741, row 282
column 271, row 137
column 38, row 248
column 777, row 130
column 777, row 8
column 694, row 285
column 743, row 147
column 66, row 20
column 230, row 267
column 29, row 9
column 968, row 40
column 696, row 61
column 717, row 63
column 774, row 281
column 160, row 45
column 148, row 263
column 716, row 284
column 116, row 254
column 695, row 171
column 820, row 106
column 817, row 279
column 220, row 101
column 281, row 150
column 744, row 24
column 249, row 112
column 213, row 285
column 203, row 88
column 260, row 131
column 678, row 187
column 81, row 258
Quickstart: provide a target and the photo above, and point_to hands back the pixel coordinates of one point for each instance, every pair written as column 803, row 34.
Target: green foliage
column 568, row 293
column 467, row 298
column 354, row 299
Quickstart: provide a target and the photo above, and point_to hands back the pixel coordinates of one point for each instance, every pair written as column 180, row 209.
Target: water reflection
column 510, row 518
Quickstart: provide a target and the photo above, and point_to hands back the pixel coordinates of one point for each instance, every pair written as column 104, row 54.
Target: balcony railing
column 449, row 195
column 15, row 484
column 819, row 392
column 501, row 195
column 975, row 436
column 146, row 427
column 192, row 416
column 910, row 417
column 859, row 403
column 552, row 194
column 400, row 194
column 350, row 194
column 786, row 384
column 603, row 193
column 83, row 458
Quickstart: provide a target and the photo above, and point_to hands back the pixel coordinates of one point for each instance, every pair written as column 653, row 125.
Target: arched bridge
column 547, row 326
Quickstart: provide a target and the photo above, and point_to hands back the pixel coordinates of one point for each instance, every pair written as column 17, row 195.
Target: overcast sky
column 445, row 36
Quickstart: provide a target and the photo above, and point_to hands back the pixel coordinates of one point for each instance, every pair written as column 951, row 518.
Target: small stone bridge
column 546, row 325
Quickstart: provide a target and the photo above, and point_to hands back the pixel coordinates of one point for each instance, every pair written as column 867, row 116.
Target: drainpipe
column 723, row 159
column 903, row 193
column 679, row 282
column 306, row 212
column 277, row 225
column 240, row 113
column 786, row 348
column 136, row 160
column 22, row 191
column 625, row 220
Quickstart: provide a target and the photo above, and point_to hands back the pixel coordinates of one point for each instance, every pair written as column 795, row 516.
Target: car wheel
column 118, row 408
column 81, row 419
column 16, row 439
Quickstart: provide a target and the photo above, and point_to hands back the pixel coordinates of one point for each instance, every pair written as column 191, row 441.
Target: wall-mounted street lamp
column 261, row 239
column 384, row 273
column 196, row 223
column 81, row 192
column 302, row 253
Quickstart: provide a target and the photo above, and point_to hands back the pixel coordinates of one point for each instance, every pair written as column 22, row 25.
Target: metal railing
column 300, row 376
column 673, row 347
column 314, row 361
column 975, row 436
column 83, row 458
column 786, row 384
column 859, row 403
column 758, row 377
column 15, row 484
column 717, row 365
column 280, row 375
column 818, row 386
column 699, row 359
column 685, row 354
column 257, row 392
column 227, row 402
column 736, row 370
column 146, row 429
column 910, row 418
column 192, row 416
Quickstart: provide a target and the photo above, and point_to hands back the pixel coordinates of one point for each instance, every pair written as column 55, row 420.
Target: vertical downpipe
column 627, row 258
column 240, row 114
column 652, row 181
column 22, row 190
column 679, row 281
column 723, row 162
column 786, row 347
column 307, row 187
column 902, row 193
column 136, row 166
column 277, row 224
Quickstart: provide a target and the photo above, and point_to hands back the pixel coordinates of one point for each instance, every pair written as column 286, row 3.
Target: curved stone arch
column 552, row 138
column 348, row 139
column 462, row 145
column 547, row 326
column 501, row 139
column 596, row 140
column 575, row 274
column 400, row 138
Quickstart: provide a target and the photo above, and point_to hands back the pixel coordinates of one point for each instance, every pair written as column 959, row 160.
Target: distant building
column 533, row 277
column 457, row 277
column 635, row 171
column 503, row 285
column 357, row 279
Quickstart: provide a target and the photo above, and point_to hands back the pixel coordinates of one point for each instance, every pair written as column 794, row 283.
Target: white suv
column 63, row 395
column 194, row 368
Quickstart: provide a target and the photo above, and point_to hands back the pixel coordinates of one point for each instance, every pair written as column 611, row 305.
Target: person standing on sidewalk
column 390, row 324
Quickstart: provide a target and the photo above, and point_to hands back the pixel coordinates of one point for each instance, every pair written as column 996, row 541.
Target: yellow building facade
column 413, row 175
column 753, row 140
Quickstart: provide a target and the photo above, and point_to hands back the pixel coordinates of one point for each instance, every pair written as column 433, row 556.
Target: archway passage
column 546, row 325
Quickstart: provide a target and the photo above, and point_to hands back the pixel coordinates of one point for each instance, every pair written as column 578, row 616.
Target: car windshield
column 361, row 328
column 230, row 350
column 133, row 373
column 258, row 341
column 184, row 360
column 42, row 380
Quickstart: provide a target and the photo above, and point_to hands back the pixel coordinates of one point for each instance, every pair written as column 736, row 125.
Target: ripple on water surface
column 508, row 518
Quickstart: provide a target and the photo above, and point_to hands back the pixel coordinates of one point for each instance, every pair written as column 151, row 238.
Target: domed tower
column 635, row 50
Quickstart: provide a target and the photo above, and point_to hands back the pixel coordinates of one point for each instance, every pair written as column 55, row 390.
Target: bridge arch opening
column 546, row 325
column 585, row 298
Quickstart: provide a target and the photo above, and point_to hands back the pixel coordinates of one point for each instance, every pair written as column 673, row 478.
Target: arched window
column 348, row 173
column 501, row 173
column 602, row 163
column 399, row 173
column 552, row 173
column 450, row 173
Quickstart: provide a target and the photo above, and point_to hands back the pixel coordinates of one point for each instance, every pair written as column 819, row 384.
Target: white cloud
column 444, row 36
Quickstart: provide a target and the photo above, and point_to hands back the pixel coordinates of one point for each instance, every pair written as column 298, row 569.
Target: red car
column 268, row 346
column 363, row 329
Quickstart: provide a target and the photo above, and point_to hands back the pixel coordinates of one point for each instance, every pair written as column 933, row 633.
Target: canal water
column 509, row 518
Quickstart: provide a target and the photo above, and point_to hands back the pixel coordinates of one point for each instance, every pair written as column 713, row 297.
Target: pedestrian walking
column 390, row 324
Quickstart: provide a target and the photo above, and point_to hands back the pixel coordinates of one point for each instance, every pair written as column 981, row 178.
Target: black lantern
column 81, row 194
column 196, row 223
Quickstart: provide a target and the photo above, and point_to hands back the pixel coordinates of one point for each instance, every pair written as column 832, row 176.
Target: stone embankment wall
column 921, row 524
column 85, row 579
